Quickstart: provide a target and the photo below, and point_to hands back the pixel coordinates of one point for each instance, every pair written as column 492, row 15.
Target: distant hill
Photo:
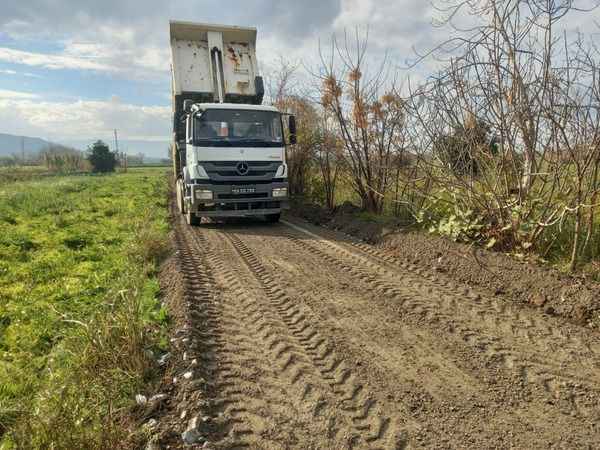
column 11, row 144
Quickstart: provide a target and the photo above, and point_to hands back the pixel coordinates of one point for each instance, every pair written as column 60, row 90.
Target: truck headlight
column 202, row 194
column 280, row 192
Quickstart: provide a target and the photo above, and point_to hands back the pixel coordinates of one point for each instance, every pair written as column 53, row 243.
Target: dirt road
column 303, row 338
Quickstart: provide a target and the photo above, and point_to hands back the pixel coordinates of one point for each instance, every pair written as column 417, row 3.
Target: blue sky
column 72, row 71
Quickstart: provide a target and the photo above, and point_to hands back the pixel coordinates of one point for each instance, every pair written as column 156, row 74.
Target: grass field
column 78, row 307
column 21, row 173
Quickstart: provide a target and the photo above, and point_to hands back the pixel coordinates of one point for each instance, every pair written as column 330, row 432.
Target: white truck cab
column 228, row 149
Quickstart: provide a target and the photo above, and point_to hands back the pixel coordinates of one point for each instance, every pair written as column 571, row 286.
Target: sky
column 72, row 71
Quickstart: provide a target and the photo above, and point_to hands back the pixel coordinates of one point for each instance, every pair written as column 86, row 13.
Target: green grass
column 553, row 246
column 78, row 307
column 21, row 173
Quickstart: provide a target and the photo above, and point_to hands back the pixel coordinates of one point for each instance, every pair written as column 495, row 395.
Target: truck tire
column 273, row 218
column 192, row 219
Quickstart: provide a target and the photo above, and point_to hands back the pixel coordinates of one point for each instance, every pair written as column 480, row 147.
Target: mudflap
column 179, row 193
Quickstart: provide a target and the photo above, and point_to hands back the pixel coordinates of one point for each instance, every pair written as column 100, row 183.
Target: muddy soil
column 293, row 336
column 525, row 282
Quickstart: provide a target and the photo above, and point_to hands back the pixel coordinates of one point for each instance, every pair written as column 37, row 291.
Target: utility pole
column 122, row 156
column 22, row 150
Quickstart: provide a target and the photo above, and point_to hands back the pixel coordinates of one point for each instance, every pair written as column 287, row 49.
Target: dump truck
column 228, row 149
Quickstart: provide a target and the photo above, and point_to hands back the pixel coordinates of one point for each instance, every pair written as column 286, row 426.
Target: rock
column 140, row 399
column 188, row 375
column 192, row 435
column 158, row 398
column 154, row 403
column 150, row 425
column 163, row 359
column 537, row 299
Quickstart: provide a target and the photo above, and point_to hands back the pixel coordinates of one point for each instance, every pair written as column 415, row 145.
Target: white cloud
column 82, row 119
column 51, row 61
column 14, row 72
column 116, row 51
column 122, row 50
column 15, row 95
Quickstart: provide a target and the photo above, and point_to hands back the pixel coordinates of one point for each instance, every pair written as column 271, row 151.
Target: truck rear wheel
column 273, row 218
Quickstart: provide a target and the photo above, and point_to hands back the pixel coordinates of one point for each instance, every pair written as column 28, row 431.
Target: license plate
column 243, row 190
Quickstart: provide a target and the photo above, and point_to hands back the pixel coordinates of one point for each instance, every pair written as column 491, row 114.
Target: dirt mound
column 526, row 282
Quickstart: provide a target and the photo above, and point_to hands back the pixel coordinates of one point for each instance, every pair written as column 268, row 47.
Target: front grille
column 242, row 182
column 233, row 173
column 239, row 206
column 227, row 170
column 235, row 163
column 236, row 196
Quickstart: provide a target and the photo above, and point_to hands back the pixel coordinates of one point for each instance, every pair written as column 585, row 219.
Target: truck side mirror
column 292, row 129
column 187, row 105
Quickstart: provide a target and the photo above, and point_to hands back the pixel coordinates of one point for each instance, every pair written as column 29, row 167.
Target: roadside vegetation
column 61, row 160
column 500, row 147
column 80, row 323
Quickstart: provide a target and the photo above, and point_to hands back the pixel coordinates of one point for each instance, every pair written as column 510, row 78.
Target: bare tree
column 369, row 115
column 328, row 153
column 61, row 159
column 287, row 96
column 508, row 125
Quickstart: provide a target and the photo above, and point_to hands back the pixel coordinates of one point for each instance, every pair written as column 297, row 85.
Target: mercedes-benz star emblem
column 242, row 168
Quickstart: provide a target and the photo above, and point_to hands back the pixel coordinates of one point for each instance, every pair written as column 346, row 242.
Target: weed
column 79, row 307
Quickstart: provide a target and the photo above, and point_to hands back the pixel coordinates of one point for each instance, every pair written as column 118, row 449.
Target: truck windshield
column 230, row 127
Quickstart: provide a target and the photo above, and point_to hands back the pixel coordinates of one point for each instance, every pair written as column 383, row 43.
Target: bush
column 463, row 150
column 101, row 158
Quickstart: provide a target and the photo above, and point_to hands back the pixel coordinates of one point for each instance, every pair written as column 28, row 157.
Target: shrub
column 101, row 158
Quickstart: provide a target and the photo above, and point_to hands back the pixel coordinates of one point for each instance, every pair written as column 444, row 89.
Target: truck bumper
column 228, row 201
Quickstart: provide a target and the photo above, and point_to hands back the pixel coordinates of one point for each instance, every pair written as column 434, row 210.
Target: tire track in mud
column 370, row 425
column 220, row 387
column 498, row 313
column 291, row 372
column 242, row 396
column 424, row 297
